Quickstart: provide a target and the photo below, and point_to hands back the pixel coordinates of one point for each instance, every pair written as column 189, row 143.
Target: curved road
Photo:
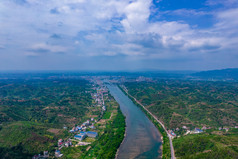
column 170, row 139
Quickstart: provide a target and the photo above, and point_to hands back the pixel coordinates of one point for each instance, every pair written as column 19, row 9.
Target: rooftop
column 91, row 132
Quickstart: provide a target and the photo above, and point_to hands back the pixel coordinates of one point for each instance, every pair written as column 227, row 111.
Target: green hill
column 225, row 74
column 179, row 103
column 189, row 103
column 33, row 113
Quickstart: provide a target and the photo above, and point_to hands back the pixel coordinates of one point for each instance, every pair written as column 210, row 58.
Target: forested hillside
column 184, row 105
column 189, row 103
column 225, row 74
column 34, row 112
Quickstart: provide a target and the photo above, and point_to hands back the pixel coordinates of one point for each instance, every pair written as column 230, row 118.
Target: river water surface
column 143, row 140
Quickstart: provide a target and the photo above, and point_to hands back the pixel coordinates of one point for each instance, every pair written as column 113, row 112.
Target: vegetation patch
column 207, row 145
column 107, row 115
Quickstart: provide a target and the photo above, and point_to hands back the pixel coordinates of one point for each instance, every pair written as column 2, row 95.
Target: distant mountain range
column 230, row 74
column 224, row 74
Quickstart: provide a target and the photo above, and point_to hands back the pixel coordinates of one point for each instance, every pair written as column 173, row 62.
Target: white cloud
column 112, row 27
column 41, row 48
column 186, row 12
column 227, row 19
column 137, row 14
column 130, row 49
column 221, row 2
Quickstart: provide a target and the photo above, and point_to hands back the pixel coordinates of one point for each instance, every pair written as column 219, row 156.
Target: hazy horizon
column 94, row 70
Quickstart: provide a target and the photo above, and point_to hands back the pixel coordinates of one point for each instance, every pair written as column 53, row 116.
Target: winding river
column 142, row 140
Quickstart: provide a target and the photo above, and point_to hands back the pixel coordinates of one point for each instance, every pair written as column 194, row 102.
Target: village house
column 226, row 129
column 184, row 127
column 60, row 142
column 36, row 156
column 92, row 127
column 92, row 134
column 172, row 133
column 46, row 154
column 187, row 132
column 58, row 153
column 197, row 130
column 80, row 136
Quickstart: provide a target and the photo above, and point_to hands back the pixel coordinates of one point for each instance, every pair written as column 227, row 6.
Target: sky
column 118, row 34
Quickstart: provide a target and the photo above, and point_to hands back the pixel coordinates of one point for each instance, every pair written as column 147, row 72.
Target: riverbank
column 168, row 150
column 139, row 129
column 116, row 156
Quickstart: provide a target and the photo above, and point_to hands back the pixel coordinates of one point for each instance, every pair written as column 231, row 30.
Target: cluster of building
column 123, row 79
column 226, row 128
column 84, row 126
column 195, row 131
column 99, row 97
column 220, row 128
column 82, row 135
column 62, row 143
column 206, row 128
column 142, row 78
column 198, row 130
column 171, row 133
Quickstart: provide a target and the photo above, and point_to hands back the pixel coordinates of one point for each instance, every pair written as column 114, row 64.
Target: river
column 142, row 140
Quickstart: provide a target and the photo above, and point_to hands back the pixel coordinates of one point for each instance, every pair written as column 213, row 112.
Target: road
column 170, row 139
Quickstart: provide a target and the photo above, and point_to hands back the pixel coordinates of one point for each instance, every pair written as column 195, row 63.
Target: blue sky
column 118, row 34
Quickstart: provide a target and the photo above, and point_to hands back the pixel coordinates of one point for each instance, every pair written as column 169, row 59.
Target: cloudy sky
column 118, row 34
